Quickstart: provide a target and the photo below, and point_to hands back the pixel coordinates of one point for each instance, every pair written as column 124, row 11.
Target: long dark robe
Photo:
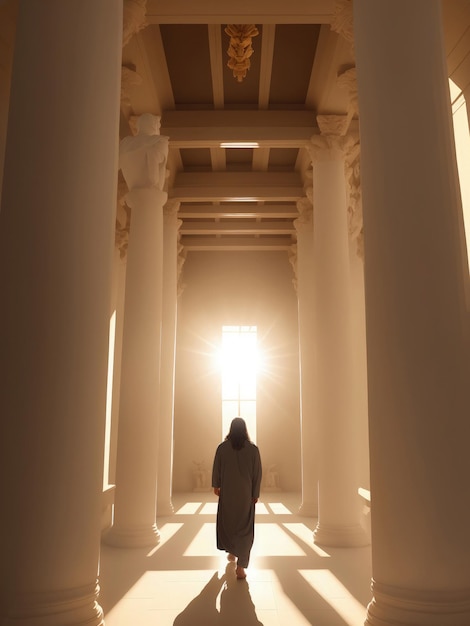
column 238, row 475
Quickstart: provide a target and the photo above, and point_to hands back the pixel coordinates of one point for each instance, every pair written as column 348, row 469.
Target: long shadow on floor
column 236, row 605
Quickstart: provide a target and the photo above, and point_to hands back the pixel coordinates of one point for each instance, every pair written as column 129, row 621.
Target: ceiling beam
column 231, row 244
column 238, row 210
column 240, row 12
column 215, row 52
column 267, row 54
column 208, row 129
column 237, row 186
column 237, row 227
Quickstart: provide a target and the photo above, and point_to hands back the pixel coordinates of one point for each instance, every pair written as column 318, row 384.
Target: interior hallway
column 186, row 581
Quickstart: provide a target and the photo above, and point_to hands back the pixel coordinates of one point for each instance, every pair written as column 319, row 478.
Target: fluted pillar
column 56, row 247
column 308, row 415
column 142, row 160
column 417, row 320
column 171, row 224
column 339, row 508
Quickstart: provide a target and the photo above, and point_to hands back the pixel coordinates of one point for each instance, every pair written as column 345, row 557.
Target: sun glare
column 239, row 362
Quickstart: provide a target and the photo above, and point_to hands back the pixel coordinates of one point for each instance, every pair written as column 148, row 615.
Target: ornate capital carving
column 342, row 22
column 171, row 207
column 123, row 219
column 348, row 80
column 336, row 125
column 129, row 79
column 134, row 12
column 180, row 262
column 305, row 220
column 292, row 255
column 354, row 191
column 332, row 144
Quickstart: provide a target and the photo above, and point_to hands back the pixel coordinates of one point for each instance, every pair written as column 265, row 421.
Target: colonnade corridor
column 186, row 581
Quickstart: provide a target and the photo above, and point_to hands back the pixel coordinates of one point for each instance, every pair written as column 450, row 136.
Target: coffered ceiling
column 236, row 197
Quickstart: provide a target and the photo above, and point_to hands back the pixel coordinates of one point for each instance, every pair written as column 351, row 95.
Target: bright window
column 239, row 362
column 462, row 148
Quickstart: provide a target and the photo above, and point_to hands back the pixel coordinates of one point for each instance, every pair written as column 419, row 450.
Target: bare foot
column 231, row 557
column 240, row 572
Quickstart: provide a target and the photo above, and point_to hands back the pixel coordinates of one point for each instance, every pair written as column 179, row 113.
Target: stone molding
column 348, row 80
column 333, row 142
column 171, row 207
column 134, row 19
column 413, row 606
column 181, row 258
column 352, row 171
column 129, row 79
column 342, row 21
column 123, row 219
column 305, row 220
column 292, row 255
column 78, row 605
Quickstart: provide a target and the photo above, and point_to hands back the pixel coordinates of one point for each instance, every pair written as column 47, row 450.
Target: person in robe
column 236, row 480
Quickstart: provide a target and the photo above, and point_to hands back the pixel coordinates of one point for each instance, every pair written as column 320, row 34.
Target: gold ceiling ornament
column 240, row 49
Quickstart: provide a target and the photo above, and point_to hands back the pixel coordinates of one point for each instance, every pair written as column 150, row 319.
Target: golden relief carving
column 240, row 48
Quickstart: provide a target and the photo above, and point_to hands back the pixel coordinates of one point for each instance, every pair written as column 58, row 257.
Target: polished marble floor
column 186, row 581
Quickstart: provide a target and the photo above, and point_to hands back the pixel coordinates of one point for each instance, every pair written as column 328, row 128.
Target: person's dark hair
column 238, row 433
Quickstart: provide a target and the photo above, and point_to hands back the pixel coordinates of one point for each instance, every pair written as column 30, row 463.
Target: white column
column 305, row 295
column 339, row 508
column 56, row 247
column 417, row 321
column 171, row 224
column 143, row 165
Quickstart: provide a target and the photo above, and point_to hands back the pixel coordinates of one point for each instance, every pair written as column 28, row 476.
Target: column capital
column 333, row 143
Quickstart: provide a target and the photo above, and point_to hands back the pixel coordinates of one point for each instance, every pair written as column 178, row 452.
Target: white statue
column 142, row 158
column 201, row 476
column 272, row 478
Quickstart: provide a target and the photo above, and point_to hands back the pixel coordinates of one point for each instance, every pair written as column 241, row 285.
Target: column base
column 308, row 509
column 75, row 607
column 137, row 537
column 353, row 536
column 409, row 607
column 165, row 509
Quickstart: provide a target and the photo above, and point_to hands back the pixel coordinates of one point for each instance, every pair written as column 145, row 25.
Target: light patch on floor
column 325, row 583
column 167, row 531
column 306, row 535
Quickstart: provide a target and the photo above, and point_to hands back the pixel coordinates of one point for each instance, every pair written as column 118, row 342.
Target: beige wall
column 237, row 288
